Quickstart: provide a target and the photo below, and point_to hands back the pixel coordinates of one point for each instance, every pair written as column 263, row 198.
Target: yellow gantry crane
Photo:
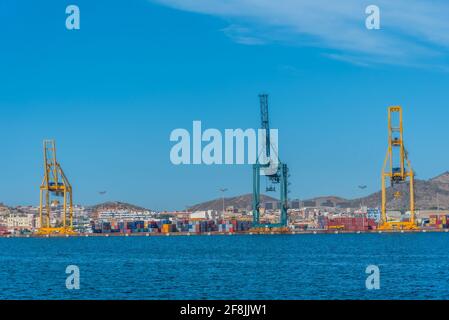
column 397, row 169
column 56, row 184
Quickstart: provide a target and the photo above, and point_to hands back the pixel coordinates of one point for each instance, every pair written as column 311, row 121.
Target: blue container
column 131, row 225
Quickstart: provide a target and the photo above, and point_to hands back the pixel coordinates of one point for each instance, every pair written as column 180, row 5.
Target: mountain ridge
column 429, row 194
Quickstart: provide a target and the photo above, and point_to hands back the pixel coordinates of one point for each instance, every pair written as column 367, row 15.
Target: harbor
column 320, row 266
column 400, row 205
column 244, row 233
column 223, row 159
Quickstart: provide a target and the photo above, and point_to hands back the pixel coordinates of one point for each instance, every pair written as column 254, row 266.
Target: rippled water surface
column 413, row 266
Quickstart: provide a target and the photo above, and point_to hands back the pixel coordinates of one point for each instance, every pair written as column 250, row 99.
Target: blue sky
column 112, row 92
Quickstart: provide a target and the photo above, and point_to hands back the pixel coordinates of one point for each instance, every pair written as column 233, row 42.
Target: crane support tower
column 55, row 184
column 277, row 176
column 397, row 169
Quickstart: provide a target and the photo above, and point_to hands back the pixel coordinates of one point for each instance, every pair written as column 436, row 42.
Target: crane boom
column 265, row 123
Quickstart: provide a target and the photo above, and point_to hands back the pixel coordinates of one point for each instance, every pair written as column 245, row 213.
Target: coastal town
column 121, row 219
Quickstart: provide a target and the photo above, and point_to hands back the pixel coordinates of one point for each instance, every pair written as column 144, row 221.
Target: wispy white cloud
column 412, row 31
column 242, row 35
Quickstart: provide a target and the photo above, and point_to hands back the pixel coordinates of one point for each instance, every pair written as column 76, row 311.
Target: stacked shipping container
column 439, row 221
column 167, row 226
column 352, row 223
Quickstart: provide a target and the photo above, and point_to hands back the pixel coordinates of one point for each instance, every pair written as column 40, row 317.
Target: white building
column 15, row 221
column 207, row 215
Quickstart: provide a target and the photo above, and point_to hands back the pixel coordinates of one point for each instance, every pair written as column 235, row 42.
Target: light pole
column 438, row 202
column 363, row 187
column 223, row 190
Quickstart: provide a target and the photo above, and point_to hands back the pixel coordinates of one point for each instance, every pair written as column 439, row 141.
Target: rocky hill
column 115, row 205
column 240, row 202
column 4, row 209
column 428, row 195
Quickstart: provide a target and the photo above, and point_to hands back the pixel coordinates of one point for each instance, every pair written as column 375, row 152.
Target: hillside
column 240, row 202
column 4, row 209
column 426, row 194
column 115, row 205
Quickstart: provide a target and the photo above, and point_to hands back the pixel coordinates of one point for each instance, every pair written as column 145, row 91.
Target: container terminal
column 58, row 216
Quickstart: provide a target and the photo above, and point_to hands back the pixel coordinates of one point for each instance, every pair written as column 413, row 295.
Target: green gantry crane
column 274, row 170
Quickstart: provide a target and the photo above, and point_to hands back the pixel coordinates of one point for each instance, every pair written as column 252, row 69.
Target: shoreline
column 246, row 233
